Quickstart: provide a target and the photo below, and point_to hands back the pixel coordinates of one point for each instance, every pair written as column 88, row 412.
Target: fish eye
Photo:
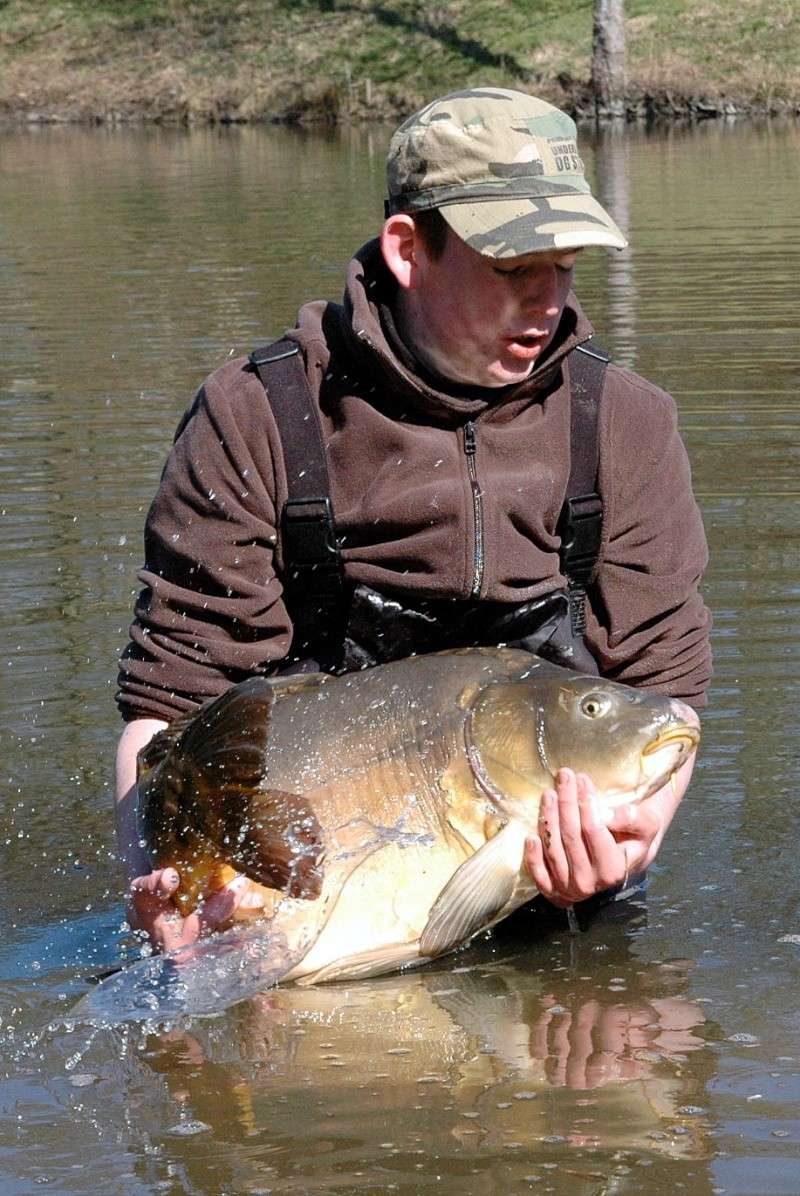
column 595, row 705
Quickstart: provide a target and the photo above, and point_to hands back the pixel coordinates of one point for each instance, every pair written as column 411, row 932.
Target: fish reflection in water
column 475, row 1062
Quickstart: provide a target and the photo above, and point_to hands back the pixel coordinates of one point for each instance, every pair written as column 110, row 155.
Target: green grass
column 350, row 59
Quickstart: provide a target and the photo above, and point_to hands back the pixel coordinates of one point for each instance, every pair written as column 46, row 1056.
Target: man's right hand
column 152, row 910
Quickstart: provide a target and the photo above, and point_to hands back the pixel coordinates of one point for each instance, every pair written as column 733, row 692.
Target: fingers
column 608, row 860
column 638, row 820
column 151, row 896
column 156, row 886
column 214, row 914
column 575, row 854
column 152, row 910
column 584, row 1047
column 537, row 866
column 579, row 828
column 557, row 830
column 220, row 908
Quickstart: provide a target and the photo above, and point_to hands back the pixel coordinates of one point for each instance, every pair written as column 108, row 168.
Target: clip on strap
column 309, row 540
column 580, row 527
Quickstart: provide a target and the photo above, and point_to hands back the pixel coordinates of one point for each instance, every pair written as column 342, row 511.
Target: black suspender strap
column 580, row 523
column 313, row 578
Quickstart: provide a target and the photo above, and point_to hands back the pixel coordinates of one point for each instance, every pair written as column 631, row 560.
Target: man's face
column 483, row 321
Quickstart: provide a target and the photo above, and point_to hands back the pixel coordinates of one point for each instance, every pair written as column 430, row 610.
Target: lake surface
column 656, row 1051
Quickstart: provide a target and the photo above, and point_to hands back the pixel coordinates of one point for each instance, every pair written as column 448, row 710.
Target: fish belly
column 383, row 905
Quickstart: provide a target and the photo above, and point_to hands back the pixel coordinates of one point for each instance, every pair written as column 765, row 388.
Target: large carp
column 382, row 816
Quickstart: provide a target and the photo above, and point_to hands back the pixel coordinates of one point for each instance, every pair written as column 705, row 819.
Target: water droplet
column 185, row 1129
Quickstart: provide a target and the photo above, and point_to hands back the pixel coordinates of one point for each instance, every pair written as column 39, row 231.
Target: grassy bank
column 336, row 60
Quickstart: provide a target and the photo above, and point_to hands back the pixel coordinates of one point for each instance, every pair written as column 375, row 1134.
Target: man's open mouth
column 525, row 346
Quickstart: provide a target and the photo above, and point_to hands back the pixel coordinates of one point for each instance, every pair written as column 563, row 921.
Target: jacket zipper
column 477, row 496
column 477, row 509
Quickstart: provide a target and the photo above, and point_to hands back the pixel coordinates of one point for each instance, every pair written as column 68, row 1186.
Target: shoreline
column 334, row 63
column 669, row 106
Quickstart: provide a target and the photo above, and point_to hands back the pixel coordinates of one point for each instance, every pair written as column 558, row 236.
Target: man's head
column 501, row 170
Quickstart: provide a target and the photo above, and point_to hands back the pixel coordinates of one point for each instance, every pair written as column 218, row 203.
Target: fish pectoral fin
column 476, row 892
column 366, row 963
column 278, row 843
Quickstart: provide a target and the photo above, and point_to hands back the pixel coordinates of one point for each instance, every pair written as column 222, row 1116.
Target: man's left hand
column 582, row 849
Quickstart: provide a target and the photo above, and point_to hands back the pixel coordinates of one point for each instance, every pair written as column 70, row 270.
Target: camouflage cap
column 503, row 167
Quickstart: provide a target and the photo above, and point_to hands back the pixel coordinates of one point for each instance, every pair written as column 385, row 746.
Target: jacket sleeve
column 211, row 611
column 647, row 623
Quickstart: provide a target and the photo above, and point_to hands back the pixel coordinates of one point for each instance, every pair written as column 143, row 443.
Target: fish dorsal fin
column 476, row 893
column 299, row 683
column 210, row 784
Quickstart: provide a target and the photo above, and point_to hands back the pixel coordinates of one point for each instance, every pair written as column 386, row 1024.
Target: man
column 442, row 389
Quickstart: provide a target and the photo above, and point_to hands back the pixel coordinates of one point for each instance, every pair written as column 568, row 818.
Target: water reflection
column 504, row 1066
column 612, row 150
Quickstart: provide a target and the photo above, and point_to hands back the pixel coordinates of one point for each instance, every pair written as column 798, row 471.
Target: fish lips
column 666, row 752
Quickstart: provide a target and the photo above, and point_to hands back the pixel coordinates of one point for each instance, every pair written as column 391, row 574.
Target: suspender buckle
column 309, row 539
column 580, row 527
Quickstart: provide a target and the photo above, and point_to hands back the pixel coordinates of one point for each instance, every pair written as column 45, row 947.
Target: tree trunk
column 609, row 73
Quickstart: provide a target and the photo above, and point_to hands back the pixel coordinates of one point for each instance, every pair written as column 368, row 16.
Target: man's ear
column 402, row 249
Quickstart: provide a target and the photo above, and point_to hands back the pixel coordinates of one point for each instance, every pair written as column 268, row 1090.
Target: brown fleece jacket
column 212, row 612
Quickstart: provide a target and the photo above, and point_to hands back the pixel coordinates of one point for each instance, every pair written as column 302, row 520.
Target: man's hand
column 152, row 910
column 589, row 1044
column 580, row 849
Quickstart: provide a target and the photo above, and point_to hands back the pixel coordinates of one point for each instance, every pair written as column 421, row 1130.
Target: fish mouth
column 663, row 756
column 683, row 737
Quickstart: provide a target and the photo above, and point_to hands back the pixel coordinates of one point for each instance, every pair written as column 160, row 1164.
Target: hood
column 357, row 323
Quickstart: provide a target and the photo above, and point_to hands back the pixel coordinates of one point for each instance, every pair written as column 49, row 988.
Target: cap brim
column 513, row 227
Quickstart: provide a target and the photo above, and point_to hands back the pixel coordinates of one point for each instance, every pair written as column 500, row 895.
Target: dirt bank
column 207, row 61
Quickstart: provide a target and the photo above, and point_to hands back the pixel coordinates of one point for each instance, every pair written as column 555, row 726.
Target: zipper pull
column 469, row 438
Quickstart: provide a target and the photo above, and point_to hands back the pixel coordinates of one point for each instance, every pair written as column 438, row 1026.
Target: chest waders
column 339, row 628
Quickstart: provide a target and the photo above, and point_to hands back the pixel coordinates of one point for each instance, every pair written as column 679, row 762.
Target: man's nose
column 541, row 291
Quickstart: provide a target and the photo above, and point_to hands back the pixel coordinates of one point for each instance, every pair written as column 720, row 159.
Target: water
column 655, row 1051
